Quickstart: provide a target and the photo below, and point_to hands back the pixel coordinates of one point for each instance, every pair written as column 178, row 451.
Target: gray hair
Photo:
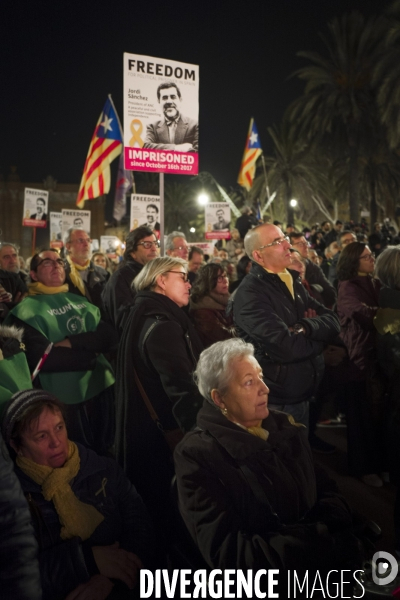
column 169, row 243
column 71, row 231
column 146, row 280
column 251, row 241
column 387, row 267
column 214, row 369
column 16, row 248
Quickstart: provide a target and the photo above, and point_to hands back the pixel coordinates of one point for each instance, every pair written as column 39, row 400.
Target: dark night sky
column 59, row 61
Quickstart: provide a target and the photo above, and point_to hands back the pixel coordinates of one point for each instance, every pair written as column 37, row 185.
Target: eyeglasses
column 184, row 276
column 277, row 242
column 222, row 277
column 149, row 245
column 47, row 262
column 368, row 256
column 181, row 248
column 82, row 241
column 304, row 244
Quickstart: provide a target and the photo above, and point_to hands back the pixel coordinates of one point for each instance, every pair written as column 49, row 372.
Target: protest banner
column 145, row 210
column 109, row 245
column 75, row 219
column 56, row 230
column 161, row 113
column 218, row 220
column 35, row 208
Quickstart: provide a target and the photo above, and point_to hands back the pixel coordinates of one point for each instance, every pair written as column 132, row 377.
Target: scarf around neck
column 76, row 517
column 37, row 288
column 74, row 274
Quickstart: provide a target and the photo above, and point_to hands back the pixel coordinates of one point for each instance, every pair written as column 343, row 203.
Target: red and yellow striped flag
column 251, row 153
column 106, row 145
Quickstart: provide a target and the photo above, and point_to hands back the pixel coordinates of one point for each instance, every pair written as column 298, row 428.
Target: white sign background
column 139, row 203
column 143, row 112
column 30, row 208
column 78, row 219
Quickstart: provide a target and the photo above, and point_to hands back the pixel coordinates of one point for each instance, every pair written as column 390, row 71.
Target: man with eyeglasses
column 273, row 311
column 75, row 369
column 82, row 275
column 176, row 245
column 142, row 246
column 314, row 274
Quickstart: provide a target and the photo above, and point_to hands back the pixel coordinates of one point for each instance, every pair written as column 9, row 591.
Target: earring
column 224, row 411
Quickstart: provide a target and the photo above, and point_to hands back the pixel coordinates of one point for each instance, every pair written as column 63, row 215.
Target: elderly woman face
column 246, row 398
column 45, row 440
column 175, row 285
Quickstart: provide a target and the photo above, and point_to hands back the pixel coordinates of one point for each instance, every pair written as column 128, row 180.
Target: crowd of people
column 192, row 384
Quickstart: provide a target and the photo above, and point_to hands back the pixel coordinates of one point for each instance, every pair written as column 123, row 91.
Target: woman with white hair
column 156, row 398
column 247, row 486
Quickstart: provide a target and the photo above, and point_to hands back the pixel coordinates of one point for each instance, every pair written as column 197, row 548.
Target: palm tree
column 180, row 209
column 387, row 75
column 292, row 170
column 338, row 93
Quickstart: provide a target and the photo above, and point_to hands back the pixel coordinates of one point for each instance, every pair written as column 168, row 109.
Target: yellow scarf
column 76, row 517
column 74, row 274
column 37, row 288
column 259, row 432
column 287, row 279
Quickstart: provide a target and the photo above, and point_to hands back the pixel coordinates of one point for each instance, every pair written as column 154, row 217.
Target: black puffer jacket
column 263, row 311
column 19, row 568
column 255, row 504
column 101, row 483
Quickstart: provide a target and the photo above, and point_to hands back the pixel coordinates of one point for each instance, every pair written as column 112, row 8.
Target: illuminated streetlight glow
column 203, row 199
column 293, row 202
column 192, row 230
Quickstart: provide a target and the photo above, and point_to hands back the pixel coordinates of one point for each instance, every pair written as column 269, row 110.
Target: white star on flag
column 106, row 124
column 253, row 138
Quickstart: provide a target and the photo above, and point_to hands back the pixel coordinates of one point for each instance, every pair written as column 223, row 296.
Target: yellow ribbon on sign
column 136, row 139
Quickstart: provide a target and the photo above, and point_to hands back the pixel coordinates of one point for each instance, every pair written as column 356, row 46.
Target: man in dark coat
column 314, row 274
column 118, row 292
column 246, row 221
column 273, row 311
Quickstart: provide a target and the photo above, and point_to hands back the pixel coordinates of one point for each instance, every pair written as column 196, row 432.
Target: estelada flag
column 251, row 153
column 106, row 145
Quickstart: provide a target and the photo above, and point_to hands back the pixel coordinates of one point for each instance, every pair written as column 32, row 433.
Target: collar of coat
column 238, row 442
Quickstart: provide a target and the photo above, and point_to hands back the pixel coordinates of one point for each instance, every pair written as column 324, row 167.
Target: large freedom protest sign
column 35, row 208
column 161, row 113
column 75, row 219
column 218, row 221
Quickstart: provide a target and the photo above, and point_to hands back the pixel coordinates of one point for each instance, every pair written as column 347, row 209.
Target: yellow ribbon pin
column 136, row 139
column 103, row 487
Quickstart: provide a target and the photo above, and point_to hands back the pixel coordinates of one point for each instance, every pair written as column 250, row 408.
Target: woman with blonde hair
column 156, row 398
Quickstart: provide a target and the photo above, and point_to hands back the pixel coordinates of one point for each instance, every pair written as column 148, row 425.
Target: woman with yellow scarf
column 91, row 525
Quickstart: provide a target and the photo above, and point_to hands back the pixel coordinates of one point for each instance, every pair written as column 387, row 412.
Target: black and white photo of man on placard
column 221, row 224
column 40, row 214
column 152, row 218
column 175, row 131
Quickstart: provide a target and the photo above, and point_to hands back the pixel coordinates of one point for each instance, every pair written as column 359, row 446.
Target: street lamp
column 192, row 230
column 203, row 198
column 293, row 203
